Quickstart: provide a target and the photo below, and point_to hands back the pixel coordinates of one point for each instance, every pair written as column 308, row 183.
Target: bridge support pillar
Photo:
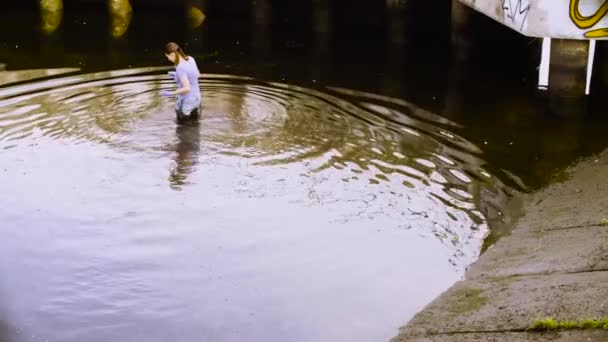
column 262, row 29
column 460, row 28
column 568, row 76
column 323, row 27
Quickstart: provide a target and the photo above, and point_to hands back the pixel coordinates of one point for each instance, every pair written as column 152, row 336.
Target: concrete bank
column 554, row 264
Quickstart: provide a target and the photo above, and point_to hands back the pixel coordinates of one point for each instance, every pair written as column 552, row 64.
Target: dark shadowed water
column 346, row 170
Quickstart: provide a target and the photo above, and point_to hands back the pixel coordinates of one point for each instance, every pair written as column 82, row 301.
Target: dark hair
column 179, row 53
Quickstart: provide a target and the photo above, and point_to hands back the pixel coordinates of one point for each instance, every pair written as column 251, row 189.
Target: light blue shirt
column 191, row 100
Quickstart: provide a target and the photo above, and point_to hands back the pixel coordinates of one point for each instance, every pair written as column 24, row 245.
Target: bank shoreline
column 553, row 264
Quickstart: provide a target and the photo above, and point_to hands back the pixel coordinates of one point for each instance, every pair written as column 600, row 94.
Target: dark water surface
column 341, row 177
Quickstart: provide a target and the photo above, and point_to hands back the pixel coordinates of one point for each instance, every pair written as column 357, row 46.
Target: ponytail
column 182, row 54
column 179, row 53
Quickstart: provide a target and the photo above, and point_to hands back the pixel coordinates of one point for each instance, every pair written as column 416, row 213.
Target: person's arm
column 185, row 86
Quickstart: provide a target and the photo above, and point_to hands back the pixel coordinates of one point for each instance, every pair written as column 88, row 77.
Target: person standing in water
column 186, row 77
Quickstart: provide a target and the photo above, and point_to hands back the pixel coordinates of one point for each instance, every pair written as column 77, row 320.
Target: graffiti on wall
column 586, row 22
column 516, row 12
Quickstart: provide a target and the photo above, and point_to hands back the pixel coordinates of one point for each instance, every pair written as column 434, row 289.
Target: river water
column 287, row 213
column 325, row 194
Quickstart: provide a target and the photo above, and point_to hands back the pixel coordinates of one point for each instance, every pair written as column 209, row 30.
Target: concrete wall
column 566, row 19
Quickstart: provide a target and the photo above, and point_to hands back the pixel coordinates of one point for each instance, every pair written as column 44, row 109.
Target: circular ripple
column 396, row 159
column 282, row 199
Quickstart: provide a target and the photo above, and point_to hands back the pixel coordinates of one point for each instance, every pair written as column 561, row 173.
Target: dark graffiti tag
column 516, row 11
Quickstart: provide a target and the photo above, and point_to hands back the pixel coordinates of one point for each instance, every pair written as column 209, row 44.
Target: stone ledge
column 563, row 251
column 561, row 336
column 512, row 303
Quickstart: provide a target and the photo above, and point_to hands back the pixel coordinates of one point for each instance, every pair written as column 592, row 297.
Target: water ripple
column 325, row 157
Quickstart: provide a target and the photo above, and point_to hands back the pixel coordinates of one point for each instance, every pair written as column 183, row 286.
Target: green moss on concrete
column 550, row 324
column 604, row 222
column 466, row 300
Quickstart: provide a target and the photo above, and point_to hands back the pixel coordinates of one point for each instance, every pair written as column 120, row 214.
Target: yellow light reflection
column 196, row 17
column 51, row 15
column 120, row 17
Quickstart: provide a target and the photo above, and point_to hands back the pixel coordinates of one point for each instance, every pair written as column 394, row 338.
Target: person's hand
column 165, row 93
column 172, row 74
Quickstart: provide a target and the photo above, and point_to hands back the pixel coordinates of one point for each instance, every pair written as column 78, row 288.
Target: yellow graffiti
column 120, row 17
column 51, row 15
column 599, row 33
column 585, row 22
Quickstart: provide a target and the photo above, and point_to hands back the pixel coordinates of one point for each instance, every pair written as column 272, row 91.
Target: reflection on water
column 186, row 152
column 302, row 214
column 7, row 333
column 120, row 17
column 196, row 16
column 51, row 12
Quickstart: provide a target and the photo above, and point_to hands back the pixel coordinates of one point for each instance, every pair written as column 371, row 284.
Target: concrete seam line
column 516, row 330
column 520, row 275
column 573, row 227
column 579, row 272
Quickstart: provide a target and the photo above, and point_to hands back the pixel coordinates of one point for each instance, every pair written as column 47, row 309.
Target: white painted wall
column 548, row 18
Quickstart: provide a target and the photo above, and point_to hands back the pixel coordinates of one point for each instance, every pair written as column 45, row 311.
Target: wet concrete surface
column 562, row 336
column 566, row 250
column 555, row 264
